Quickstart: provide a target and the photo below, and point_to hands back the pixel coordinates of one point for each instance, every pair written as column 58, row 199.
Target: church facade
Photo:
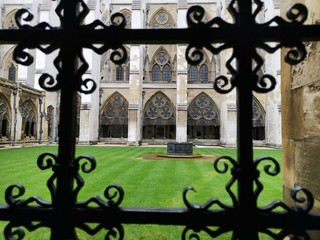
column 154, row 97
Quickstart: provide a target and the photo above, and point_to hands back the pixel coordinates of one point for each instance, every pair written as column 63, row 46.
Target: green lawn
column 147, row 183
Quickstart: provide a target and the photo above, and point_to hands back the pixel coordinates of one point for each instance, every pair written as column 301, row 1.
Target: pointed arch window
column 199, row 73
column 114, row 117
column 161, row 69
column 121, row 72
column 10, row 22
column 258, row 120
column 156, row 73
column 27, row 111
column 162, row 19
column 204, row 73
column 193, row 74
column 12, row 72
column 203, row 118
column 159, row 118
column 4, row 118
column 166, row 73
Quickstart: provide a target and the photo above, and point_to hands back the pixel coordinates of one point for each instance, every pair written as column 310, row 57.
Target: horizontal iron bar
column 232, row 218
column 114, row 36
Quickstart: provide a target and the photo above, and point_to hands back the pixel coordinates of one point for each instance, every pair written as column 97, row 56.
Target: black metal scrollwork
column 211, row 202
column 262, row 84
column 18, row 233
column 119, row 55
column 113, row 231
column 193, row 232
column 113, row 193
column 13, row 192
column 297, row 15
column 271, row 170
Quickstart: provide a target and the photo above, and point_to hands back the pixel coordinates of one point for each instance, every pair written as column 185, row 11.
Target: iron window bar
column 64, row 213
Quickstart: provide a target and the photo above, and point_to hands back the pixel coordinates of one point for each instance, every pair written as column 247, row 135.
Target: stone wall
column 300, row 93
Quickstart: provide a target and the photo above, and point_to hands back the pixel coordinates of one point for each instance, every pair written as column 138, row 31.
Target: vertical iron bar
column 244, row 55
column 65, row 199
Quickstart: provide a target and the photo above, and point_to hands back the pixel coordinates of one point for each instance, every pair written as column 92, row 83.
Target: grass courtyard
column 146, row 182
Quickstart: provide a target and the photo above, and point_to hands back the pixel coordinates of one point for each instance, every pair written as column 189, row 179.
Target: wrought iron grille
column 244, row 37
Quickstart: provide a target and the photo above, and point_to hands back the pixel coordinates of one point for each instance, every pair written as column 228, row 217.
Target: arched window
column 203, row 118
column 161, row 69
column 12, row 72
column 159, row 118
column 199, row 73
column 27, row 110
column 127, row 14
column 4, row 118
column 121, row 73
column 193, row 74
column 114, row 117
column 203, row 73
column 166, row 73
column 156, row 75
column 9, row 21
column 258, row 120
column 162, row 19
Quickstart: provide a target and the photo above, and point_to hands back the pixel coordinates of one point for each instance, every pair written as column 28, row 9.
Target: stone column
column 135, row 82
column 89, row 112
column 229, row 130
column 300, row 93
column 182, row 79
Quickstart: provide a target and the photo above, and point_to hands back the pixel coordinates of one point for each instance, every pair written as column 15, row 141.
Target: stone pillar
column 84, row 124
column 89, row 112
column 182, row 79
column 228, row 123
column 135, row 82
column 300, row 93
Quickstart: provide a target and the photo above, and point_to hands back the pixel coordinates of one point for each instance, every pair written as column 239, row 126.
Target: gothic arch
column 29, row 119
column 203, row 118
column 9, row 66
column 258, row 120
column 114, row 117
column 201, row 73
column 9, row 21
column 5, row 117
column 159, row 120
column 161, row 66
column 162, row 19
column 121, row 73
column 127, row 15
